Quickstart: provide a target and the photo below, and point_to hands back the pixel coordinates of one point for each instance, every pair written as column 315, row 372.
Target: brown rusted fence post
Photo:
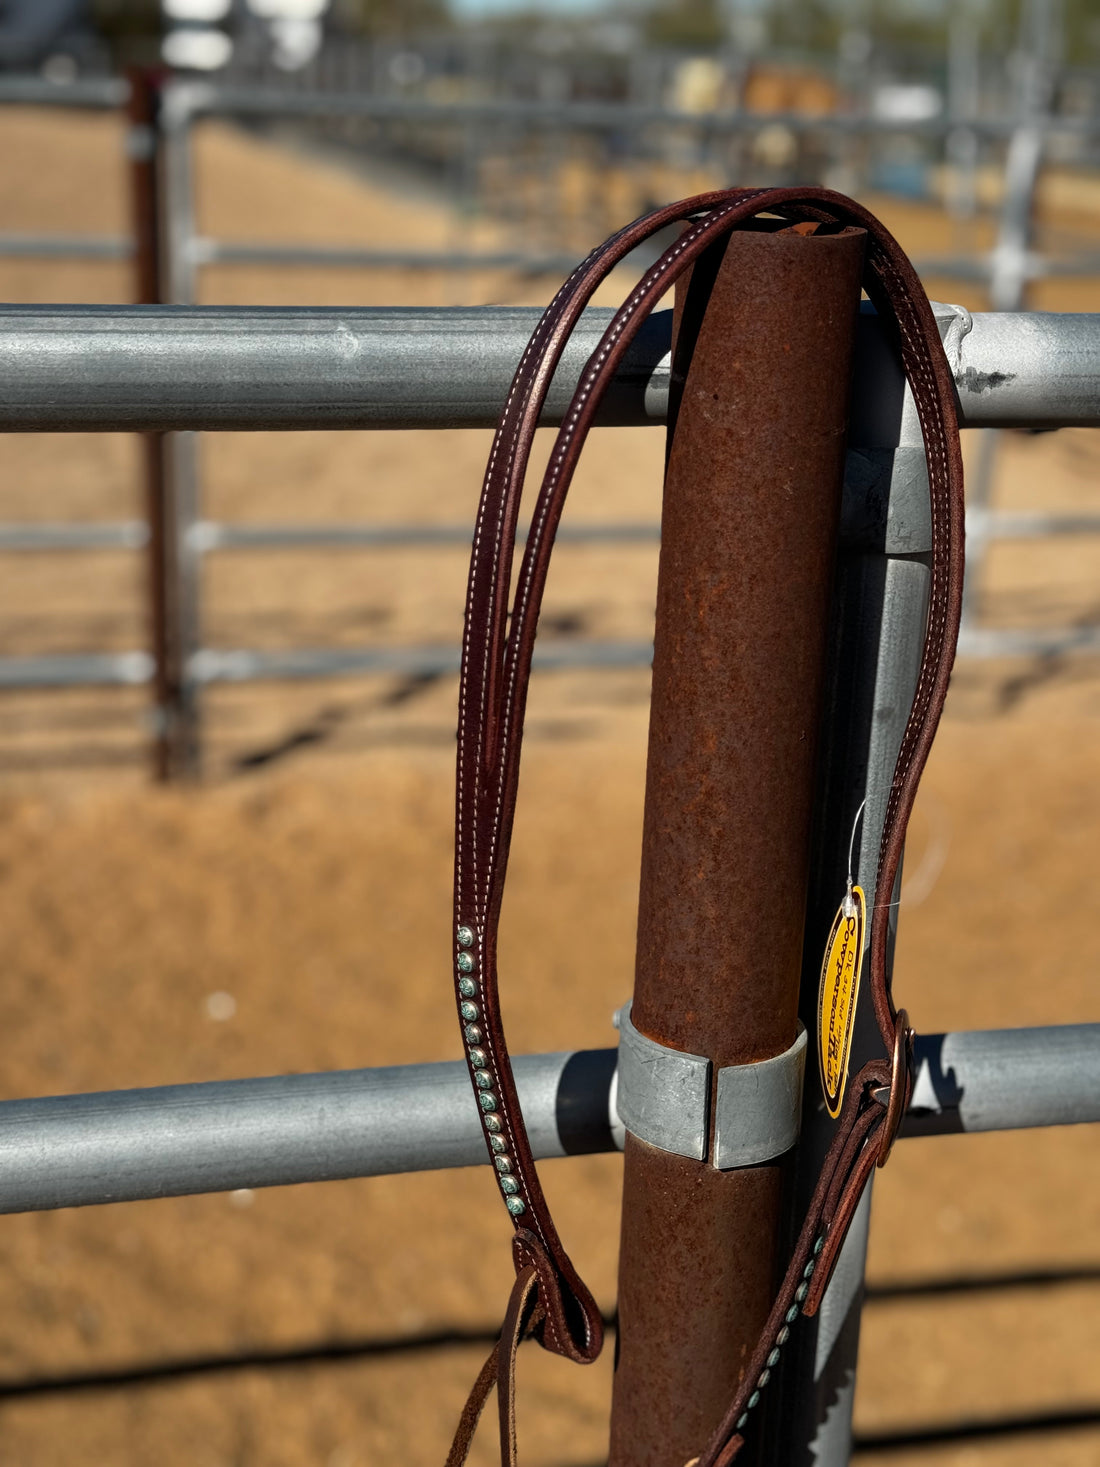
column 749, row 525
column 143, row 151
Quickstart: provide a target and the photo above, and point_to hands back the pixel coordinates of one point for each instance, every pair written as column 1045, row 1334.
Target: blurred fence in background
column 554, row 177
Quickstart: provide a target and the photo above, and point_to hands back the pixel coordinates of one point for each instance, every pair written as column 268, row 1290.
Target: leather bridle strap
column 496, row 666
column 522, row 1317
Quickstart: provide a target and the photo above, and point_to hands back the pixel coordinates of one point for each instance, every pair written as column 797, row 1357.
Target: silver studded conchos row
column 469, row 998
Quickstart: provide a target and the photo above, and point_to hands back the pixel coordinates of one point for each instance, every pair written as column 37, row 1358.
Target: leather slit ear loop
column 892, row 284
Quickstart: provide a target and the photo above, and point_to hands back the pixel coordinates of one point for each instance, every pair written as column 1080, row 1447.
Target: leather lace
column 550, row 1301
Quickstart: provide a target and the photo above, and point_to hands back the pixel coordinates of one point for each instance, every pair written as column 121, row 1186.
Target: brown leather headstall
column 550, row 1301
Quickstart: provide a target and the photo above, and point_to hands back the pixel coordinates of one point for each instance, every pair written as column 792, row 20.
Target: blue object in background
column 905, row 177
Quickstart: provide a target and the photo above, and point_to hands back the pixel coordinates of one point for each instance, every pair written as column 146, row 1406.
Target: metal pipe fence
column 188, row 101
column 159, row 369
column 1013, row 262
column 175, row 1140
column 246, row 368
column 65, row 247
column 49, row 538
column 185, row 536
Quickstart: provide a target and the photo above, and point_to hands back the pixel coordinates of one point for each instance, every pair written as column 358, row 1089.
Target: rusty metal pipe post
column 752, row 495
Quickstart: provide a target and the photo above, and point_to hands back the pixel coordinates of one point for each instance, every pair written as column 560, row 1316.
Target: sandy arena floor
column 309, row 878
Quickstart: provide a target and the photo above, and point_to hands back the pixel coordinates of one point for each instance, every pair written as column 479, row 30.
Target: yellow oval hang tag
column 836, row 997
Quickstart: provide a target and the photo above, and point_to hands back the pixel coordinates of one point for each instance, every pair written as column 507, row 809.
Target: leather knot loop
column 575, row 1333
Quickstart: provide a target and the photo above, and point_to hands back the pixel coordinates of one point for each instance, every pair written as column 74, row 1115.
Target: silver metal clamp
column 664, row 1099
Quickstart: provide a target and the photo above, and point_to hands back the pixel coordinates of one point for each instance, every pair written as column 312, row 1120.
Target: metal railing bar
column 974, row 268
column 83, row 1150
column 1063, row 268
column 1013, row 524
column 106, row 92
column 980, row 268
column 184, row 1139
column 119, row 368
column 202, row 97
column 126, row 535
column 983, row 642
column 216, row 665
column 222, row 665
column 1004, row 1079
column 197, row 98
column 78, row 669
column 208, row 535
column 164, row 367
column 203, row 251
column 65, row 247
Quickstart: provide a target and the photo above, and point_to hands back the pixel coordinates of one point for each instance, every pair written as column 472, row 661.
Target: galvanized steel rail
column 175, row 106
column 157, row 368
column 201, row 98
column 205, row 99
column 174, row 1140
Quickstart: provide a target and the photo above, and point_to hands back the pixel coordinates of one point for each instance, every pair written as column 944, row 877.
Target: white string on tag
column 848, row 905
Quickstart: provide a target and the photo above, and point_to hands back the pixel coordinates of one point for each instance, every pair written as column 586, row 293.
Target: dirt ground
column 308, row 878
